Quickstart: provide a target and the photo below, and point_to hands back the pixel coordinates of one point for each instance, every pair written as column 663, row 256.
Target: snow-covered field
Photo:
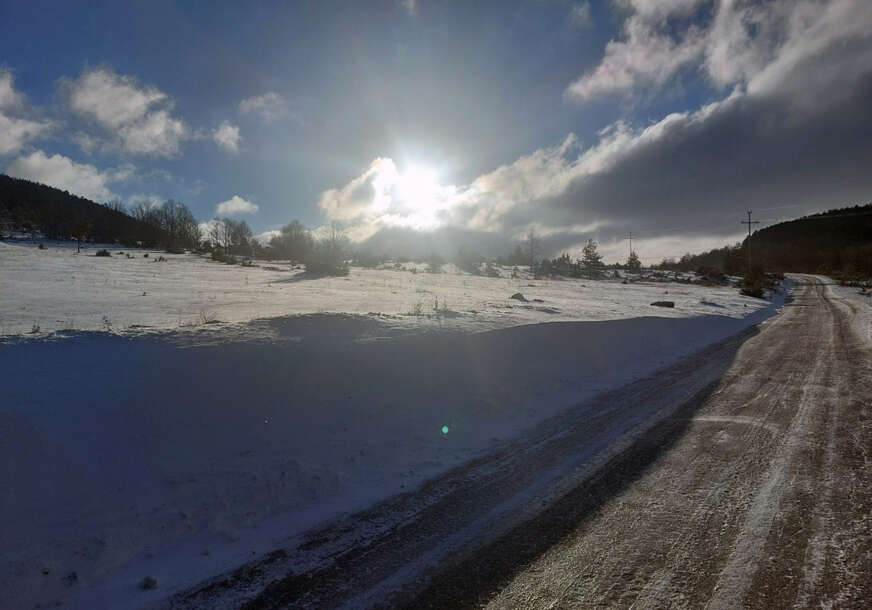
column 181, row 453
column 56, row 290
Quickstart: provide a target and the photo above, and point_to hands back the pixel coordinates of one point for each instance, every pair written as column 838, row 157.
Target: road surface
column 739, row 477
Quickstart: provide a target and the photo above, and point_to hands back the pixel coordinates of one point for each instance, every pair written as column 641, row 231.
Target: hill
column 57, row 214
column 836, row 242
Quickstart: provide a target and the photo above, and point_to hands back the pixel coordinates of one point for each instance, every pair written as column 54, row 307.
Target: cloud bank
column 792, row 128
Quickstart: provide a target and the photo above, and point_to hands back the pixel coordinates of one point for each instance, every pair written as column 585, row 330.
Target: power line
column 749, row 222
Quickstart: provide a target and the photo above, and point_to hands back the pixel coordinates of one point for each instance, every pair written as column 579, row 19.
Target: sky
column 420, row 126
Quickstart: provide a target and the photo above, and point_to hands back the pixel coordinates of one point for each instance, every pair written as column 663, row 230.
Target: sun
column 418, row 188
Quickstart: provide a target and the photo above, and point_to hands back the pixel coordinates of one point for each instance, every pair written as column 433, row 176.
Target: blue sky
column 449, row 120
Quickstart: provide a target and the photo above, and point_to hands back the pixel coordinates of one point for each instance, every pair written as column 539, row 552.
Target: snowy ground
column 179, row 454
column 56, row 290
column 861, row 306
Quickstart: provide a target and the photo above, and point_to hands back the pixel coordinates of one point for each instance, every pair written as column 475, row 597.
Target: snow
column 860, row 305
column 57, row 290
column 181, row 450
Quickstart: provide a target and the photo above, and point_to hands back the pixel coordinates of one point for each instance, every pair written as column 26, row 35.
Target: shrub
column 222, row 257
column 752, row 283
column 434, row 263
column 42, row 246
column 326, row 267
column 102, row 253
column 369, row 260
column 711, row 274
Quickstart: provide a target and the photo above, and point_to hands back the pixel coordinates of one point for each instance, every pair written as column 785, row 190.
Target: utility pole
column 749, row 222
column 631, row 242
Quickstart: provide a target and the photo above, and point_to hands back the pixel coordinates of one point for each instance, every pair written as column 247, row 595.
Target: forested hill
column 31, row 206
column 837, row 240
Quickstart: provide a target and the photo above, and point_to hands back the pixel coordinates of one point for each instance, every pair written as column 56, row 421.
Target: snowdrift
column 180, row 455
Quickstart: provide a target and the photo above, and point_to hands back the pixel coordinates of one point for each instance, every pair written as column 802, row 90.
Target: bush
column 752, row 283
column 102, row 253
column 711, row 274
column 368, row 260
column 434, row 264
column 42, row 246
column 222, row 257
column 326, row 267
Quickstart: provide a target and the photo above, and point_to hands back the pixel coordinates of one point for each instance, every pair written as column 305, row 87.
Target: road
column 739, row 477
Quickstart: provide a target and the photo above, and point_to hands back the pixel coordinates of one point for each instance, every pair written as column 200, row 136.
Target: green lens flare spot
column 445, row 429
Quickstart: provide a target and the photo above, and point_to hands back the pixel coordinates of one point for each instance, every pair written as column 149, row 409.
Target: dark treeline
column 36, row 208
column 33, row 207
column 173, row 221
column 836, row 242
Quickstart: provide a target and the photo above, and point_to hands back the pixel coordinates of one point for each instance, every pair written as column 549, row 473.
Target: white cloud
column 236, row 205
column 265, row 237
column 62, row 172
column 646, row 56
column 736, row 43
column 16, row 130
column 579, row 15
column 9, row 98
column 410, row 6
column 136, row 117
column 206, row 228
column 227, row 137
column 152, row 201
column 269, row 106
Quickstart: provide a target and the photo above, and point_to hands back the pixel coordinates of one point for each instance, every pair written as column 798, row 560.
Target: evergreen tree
column 591, row 259
column 633, row 262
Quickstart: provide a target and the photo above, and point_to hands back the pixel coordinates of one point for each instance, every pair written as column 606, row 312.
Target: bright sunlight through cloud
column 384, row 196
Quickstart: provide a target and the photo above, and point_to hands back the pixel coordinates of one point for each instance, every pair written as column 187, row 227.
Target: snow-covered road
column 758, row 497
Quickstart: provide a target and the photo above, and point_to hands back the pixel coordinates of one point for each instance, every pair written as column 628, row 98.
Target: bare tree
column 294, row 242
column 532, row 250
column 328, row 257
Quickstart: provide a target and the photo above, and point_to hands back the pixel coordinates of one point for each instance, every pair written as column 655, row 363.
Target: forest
column 837, row 242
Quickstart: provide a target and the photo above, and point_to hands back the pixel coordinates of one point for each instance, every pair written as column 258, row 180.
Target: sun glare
column 417, row 187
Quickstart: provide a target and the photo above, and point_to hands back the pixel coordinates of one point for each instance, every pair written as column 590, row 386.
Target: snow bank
column 859, row 307
column 179, row 455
